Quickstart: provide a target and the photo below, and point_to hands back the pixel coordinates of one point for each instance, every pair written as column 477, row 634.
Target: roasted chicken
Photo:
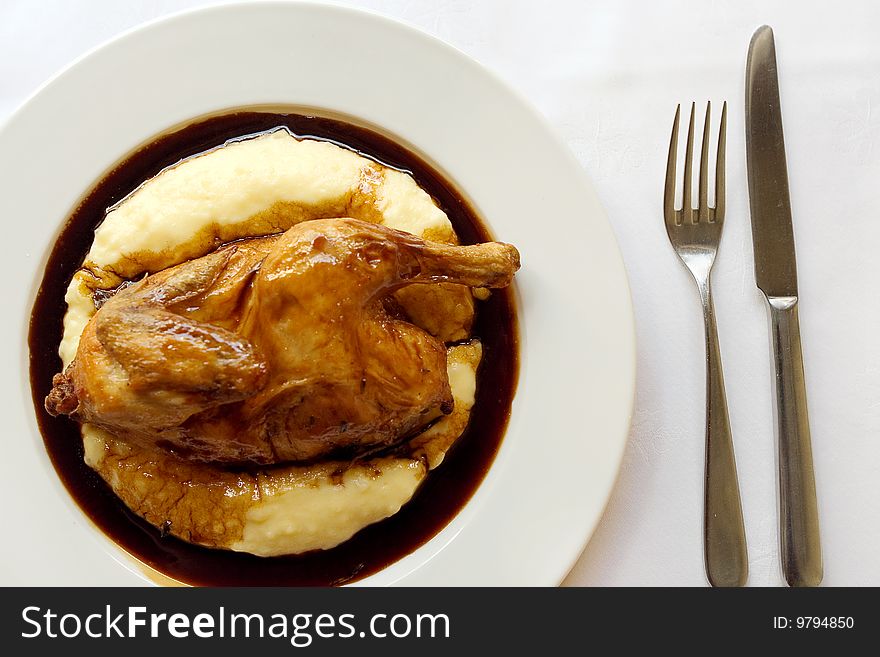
column 275, row 349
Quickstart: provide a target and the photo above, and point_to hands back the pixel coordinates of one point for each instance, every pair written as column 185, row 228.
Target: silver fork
column 694, row 234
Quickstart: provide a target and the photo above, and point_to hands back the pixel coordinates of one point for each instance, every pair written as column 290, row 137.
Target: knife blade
column 776, row 276
column 775, row 266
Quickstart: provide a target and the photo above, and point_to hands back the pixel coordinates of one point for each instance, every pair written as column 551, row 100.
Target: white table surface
column 608, row 75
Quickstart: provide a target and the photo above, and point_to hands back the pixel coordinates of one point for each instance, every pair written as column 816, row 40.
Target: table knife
column 776, row 276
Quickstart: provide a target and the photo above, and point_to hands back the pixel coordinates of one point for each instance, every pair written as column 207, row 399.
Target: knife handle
column 798, row 512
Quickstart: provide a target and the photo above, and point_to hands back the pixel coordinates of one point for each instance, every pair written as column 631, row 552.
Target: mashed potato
column 247, row 188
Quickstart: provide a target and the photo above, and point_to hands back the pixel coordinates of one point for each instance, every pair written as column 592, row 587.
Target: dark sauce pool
column 438, row 500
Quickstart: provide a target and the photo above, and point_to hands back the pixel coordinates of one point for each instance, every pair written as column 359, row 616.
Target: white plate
column 544, row 494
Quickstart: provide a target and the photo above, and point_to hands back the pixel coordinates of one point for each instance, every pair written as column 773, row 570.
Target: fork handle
column 723, row 531
column 798, row 512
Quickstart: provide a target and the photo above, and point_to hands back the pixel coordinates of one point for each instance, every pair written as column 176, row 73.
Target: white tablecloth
column 608, row 76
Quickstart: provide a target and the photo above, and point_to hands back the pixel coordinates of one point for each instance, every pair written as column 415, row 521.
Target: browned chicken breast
column 284, row 348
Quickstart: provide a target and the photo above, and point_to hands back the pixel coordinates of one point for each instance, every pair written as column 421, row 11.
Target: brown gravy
column 441, row 496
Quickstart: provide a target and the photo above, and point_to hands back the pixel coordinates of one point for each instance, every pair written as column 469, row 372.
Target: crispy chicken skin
column 274, row 349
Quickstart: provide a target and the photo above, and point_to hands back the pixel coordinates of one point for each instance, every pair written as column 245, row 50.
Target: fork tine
column 669, row 191
column 719, row 166
column 687, row 211
column 703, row 203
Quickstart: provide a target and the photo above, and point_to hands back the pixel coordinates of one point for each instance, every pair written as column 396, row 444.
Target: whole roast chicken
column 275, row 349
